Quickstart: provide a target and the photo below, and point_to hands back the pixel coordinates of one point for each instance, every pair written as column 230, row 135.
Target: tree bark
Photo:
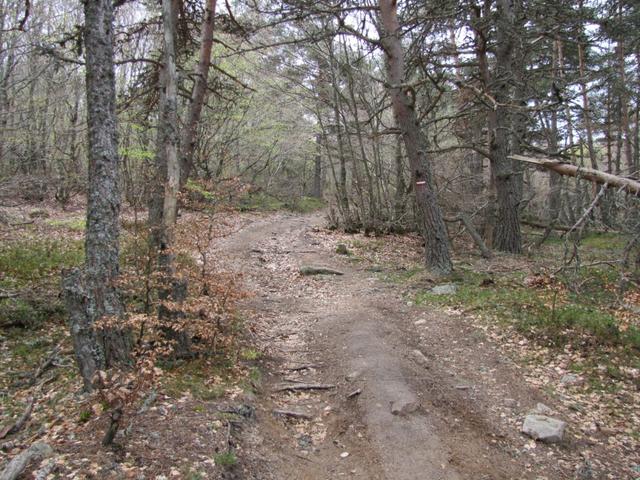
column 430, row 220
column 92, row 294
column 174, row 289
column 507, row 236
column 198, row 94
column 316, row 190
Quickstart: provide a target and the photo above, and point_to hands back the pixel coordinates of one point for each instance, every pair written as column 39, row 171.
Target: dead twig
column 16, row 427
column 293, row 414
column 304, row 367
column 48, row 362
column 355, row 393
column 304, row 386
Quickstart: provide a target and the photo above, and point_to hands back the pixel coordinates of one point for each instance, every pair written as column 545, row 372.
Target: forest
column 319, row 239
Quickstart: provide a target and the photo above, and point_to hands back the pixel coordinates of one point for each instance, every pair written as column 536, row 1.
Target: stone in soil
column 446, row 289
column 404, row 407
column 571, row 379
column 419, row 357
column 541, row 409
column 543, row 428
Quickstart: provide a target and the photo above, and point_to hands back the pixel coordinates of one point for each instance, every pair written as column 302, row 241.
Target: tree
column 198, row 95
column 430, row 219
column 92, row 293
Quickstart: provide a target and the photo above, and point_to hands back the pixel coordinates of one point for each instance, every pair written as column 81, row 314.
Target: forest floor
column 413, row 386
column 462, row 387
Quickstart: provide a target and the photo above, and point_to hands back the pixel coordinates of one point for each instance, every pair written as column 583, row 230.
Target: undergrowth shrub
column 29, row 273
column 544, row 308
column 206, row 315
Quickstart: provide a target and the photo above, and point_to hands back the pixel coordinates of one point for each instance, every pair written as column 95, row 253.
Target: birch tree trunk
column 92, row 294
column 430, row 219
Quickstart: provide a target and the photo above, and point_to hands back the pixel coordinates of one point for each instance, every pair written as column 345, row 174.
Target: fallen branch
column 303, row 367
column 4, row 294
column 545, row 226
column 48, row 362
column 114, row 423
column 477, row 239
column 46, row 470
column 355, row 393
column 14, row 469
column 293, row 414
column 628, row 184
column 588, row 211
column 16, row 427
column 312, row 270
column 19, row 224
column 304, row 386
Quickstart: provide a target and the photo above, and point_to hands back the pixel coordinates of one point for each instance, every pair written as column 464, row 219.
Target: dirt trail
column 449, row 388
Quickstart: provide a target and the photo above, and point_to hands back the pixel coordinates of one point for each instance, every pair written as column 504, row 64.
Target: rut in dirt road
column 394, row 413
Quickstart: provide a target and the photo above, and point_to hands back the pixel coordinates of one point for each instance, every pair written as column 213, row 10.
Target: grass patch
column 250, row 354
column 34, row 266
column 29, row 313
column 605, row 241
column 38, row 260
column 403, row 275
column 550, row 314
column 260, row 202
column 194, row 377
column 191, row 475
column 74, row 224
column 84, row 416
column 307, row 204
column 227, row 459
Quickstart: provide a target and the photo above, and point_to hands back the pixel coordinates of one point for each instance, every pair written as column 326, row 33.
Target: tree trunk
column 430, row 219
column 174, row 289
column 507, row 235
column 316, row 190
column 92, row 294
column 586, row 108
column 555, row 180
column 399, row 206
column 198, row 95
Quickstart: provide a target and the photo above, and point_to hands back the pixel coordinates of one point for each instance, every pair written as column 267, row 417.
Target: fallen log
column 544, row 226
column 304, row 386
column 37, row 451
column 315, row 270
column 612, row 181
column 562, row 228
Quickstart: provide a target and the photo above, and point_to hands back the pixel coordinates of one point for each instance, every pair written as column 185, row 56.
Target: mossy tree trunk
column 91, row 294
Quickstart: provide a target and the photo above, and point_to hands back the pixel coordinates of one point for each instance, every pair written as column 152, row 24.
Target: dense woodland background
column 164, row 119
column 297, row 102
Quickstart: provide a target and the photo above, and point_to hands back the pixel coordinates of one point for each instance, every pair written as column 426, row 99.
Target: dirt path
column 436, row 398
